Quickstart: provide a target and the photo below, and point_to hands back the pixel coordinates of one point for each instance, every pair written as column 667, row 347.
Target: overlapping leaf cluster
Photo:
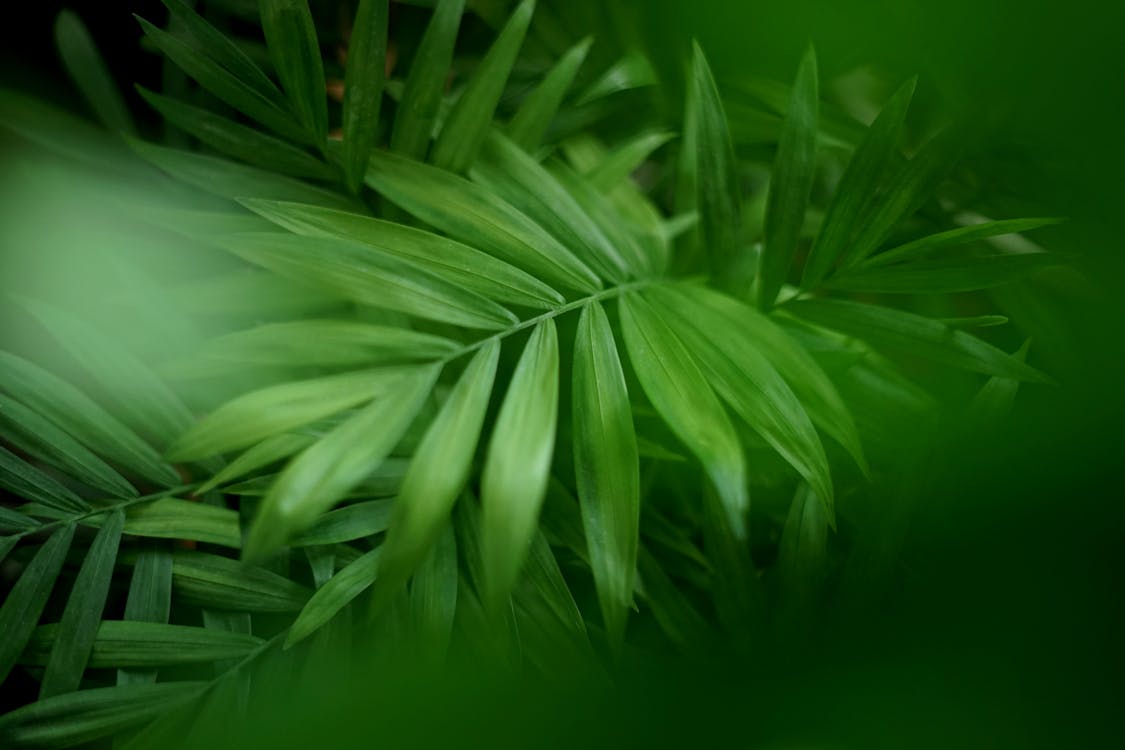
column 487, row 366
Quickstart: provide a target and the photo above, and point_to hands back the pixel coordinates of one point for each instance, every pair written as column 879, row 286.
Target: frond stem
column 78, row 517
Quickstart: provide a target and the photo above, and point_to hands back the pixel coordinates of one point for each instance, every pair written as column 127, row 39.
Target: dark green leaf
column 295, row 52
column 221, row 583
column 946, row 275
column 534, row 116
column 29, row 483
column 145, row 644
column 149, row 599
column 88, row 70
column 363, row 87
column 952, row 238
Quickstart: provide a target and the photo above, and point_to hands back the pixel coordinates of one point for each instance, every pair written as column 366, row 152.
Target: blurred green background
column 1003, row 626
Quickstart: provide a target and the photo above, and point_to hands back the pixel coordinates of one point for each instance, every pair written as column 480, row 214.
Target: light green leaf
column 79, row 625
column 239, row 141
column 76, row 413
column 962, row 235
column 857, row 186
column 264, row 453
column 451, row 260
column 916, row 335
column 355, row 521
column 681, row 394
column 218, row 582
column 254, row 416
column 321, row 475
column 363, row 87
column 477, row 217
column 172, row 518
column 145, row 644
column 471, row 118
column 537, row 111
column 29, row 483
column 427, row 494
column 88, row 70
column 633, row 71
column 791, row 183
column 606, row 466
column 626, row 159
column 518, row 464
column 421, row 97
column 945, row 275
column 295, row 52
column 718, row 196
column 81, row 717
column 25, row 602
column 333, row 596
column 362, row 273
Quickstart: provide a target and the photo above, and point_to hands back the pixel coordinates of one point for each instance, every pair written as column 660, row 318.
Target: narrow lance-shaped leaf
column 149, row 598
column 262, row 454
column 471, row 118
column 718, row 198
column 29, row 483
column 291, row 37
column 625, row 159
column 333, row 596
column 125, row 644
column 363, row 87
column 945, row 275
column 433, row 594
column 79, row 625
column 354, row 521
column 437, row 474
column 421, row 97
column 791, row 183
column 607, row 468
column 172, row 518
column 537, row 111
column 88, row 70
column 453, row 261
column 514, row 479
column 857, row 185
column 681, row 394
column 221, row 583
column 21, row 609
column 929, row 244
column 321, row 475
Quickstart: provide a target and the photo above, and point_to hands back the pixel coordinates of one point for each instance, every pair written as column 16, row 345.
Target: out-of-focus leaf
column 433, row 593
column 125, row 644
column 477, row 217
column 633, row 71
column 962, row 235
column 172, row 518
column 681, row 394
column 88, row 70
column 534, row 116
column 944, row 275
column 514, row 478
column 295, row 52
column 857, row 186
column 363, row 87
column 221, row 583
column 345, row 524
column 421, row 97
column 453, row 261
column 25, row 602
column 471, row 117
column 333, row 596
column 606, row 466
column 262, row 454
column 625, row 159
column 362, row 273
column 321, row 475
column 791, row 183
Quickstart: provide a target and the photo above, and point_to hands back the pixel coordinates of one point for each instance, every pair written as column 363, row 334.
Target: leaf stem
column 77, row 517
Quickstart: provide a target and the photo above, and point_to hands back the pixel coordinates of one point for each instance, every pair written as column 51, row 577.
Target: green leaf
column 25, row 602
column 363, row 87
column 145, row 644
column 916, row 335
column 225, row 85
column 514, row 478
column 547, row 615
column 421, row 97
column 993, row 402
column 264, row 453
column 633, row 71
column 537, row 111
column 76, row 413
column 239, row 141
column 221, row 583
column 791, row 183
column 295, row 52
column 88, row 70
column 451, row 260
column 945, row 275
column 79, row 625
column 470, row 120
column 802, row 558
column 626, row 159
column 857, row 186
column 333, row 596
column 521, row 181
column 477, row 217
column 674, row 612
column 962, row 235
column 718, row 195
column 321, row 475
column 39, row 437
column 681, row 394
column 12, row 522
column 149, row 599
column 86, row 715
column 707, row 310
column 433, row 594
column 254, row 416
column 172, row 518
column 29, row 483
column 355, row 521
column 361, row 273
column 427, row 494
column 606, row 466
column 230, row 180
